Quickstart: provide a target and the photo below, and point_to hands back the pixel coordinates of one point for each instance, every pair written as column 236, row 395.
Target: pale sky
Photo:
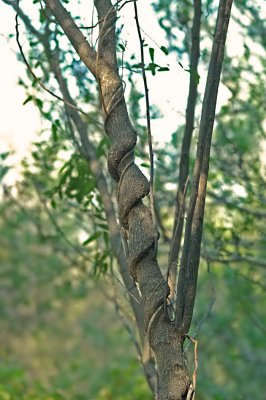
column 19, row 123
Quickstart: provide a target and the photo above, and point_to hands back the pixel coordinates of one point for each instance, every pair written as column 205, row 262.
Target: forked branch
column 187, row 280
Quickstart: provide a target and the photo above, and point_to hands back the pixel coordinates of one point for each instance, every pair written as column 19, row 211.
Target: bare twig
column 211, row 303
column 57, row 227
column 148, row 119
column 37, row 80
column 260, row 213
column 45, row 14
column 124, row 321
column 237, row 259
column 186, row 143
column 194, row 376
column 127, row 290
column 123, row 5
column 188, row 274
column 174, row 242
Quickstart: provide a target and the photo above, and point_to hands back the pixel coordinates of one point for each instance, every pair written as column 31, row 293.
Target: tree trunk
column 166, row 338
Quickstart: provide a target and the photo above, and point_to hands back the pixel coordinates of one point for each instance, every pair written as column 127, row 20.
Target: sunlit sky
column 19, row 123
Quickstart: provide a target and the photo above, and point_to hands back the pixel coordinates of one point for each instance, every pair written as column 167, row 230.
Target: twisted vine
column 133, row 186
column 134, row 216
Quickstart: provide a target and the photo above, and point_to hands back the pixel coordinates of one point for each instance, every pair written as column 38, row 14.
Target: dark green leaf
column 27, row 100
column 152, row 67
column 3, row 156
column 91, row 238
column 151, row 51
column 162, row 69
column 164, row 50
column 139, row 65
column 39, row 103
column 122, row 47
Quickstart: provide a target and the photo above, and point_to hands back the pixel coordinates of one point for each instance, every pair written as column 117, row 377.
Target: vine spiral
column 133, row 186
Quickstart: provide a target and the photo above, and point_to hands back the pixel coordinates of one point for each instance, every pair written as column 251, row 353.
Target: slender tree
column 163, row 325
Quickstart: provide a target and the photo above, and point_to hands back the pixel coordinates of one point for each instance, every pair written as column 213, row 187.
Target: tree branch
column 236, row 259
column 185, row 149
column 148, row 119
column 77, row 39
column 187, row 280
column 29, row 26
column 256, row 212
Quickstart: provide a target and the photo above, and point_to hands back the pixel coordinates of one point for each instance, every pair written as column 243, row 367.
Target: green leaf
column 3, row 156
column 53, row 204
column 91, row 238
column 145, row 165
column 54, row 133
column 151, row 51
column 122, row 47
column 152, row 67
column 162, row 69
column 139, row 65
column 164, row 50
column 27, row 100
column 39, row 103
column 106, row 238
column 73, row 184
column 3, row 171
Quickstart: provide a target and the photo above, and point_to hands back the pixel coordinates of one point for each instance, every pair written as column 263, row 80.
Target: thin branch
column 148, row 119
column 45, row 14
column 188, row 274
column 29, row 214
column 25, row 18
column 91, row 26
column 250, row 280
column 256, row 212
column 237, row 259
column 57, row 227
column 77, row 39
column 194, row 376
column 127, row 290
column 257, row 322
column 186, row 143
column 123, row 5
column 36, row 79
column 211, row 303
column 125, row 323
column 145, row 359
column 175, row 243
